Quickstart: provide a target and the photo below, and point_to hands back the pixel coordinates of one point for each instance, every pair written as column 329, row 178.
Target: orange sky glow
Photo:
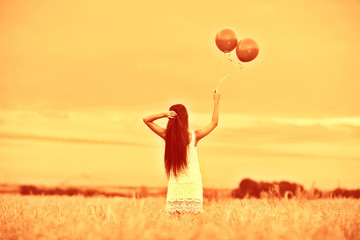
column 77, row 77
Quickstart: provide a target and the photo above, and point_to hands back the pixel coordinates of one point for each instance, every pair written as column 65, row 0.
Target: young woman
column 185, row 193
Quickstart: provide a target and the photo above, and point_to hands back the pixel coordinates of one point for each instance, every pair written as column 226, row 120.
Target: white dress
column 185, row 193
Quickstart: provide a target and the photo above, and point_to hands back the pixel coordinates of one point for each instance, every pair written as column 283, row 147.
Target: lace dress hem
column 185, row 206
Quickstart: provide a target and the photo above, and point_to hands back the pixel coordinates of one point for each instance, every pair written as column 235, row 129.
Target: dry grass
column 54, row 217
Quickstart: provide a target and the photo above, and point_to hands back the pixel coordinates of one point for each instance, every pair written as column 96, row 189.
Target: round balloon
column 247, row 50
column 226, row 40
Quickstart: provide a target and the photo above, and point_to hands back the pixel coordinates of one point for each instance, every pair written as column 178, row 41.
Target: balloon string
column 226, row 56
column 223, row 67
column 232, row 70
column 221, row 80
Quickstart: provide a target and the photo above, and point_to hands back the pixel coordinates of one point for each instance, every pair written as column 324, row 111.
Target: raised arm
column 200, row 133
column 149, row 121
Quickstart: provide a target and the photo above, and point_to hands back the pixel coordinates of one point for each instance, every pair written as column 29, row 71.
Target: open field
column 77, row 217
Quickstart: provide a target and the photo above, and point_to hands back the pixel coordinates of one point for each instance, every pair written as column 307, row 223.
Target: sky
column 77, row 77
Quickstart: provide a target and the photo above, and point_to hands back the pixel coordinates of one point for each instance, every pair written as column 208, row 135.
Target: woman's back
column 185, row 191
column 192, row 173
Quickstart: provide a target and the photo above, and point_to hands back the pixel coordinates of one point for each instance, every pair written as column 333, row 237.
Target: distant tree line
column 247, row 188
column 339, row 192
column 70, row 191
column 250, row 188
column 129, row 192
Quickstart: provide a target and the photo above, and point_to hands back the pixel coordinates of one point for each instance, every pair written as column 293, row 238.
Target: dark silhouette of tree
column 250, row 188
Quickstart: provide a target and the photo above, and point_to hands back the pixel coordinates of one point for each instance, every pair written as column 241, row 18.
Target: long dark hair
column 177, row 141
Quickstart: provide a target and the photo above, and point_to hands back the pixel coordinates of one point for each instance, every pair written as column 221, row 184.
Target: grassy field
column 61, row 217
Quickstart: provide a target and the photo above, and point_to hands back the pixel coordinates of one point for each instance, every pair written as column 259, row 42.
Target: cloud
column 68, row 140
column 293, row 138
column 235, row 120
column 267, row 153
